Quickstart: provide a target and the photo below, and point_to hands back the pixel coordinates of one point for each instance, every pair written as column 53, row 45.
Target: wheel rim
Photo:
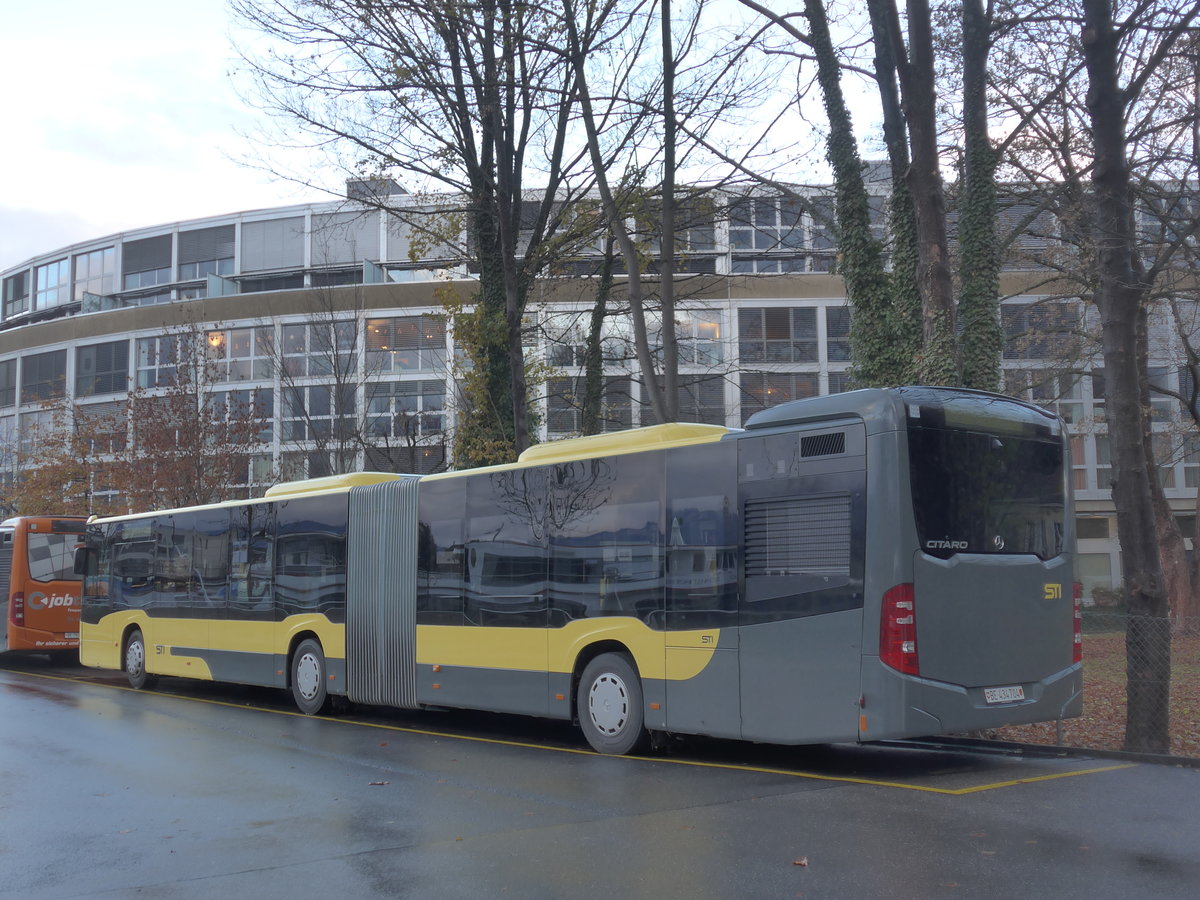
column 608, row 704
column 135, row 658
column 308, row 676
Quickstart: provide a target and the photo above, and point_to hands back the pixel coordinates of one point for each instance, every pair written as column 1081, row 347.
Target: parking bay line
column 736, row 767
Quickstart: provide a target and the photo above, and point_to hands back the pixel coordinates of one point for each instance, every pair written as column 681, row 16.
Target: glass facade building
column 329, row 318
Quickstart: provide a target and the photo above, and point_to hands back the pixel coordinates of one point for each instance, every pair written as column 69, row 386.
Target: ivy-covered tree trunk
column 485, row 429
column 915, row 65
column 902, row 226
column 872, row 339
column 982, row 339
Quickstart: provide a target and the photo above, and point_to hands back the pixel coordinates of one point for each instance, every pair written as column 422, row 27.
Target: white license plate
column 1004, row 694
column 72, row 635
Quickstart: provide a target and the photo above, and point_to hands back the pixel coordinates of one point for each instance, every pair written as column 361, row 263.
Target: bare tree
column 190, row 442
column 63, row 461
column 470, row 99
column 1116, row 79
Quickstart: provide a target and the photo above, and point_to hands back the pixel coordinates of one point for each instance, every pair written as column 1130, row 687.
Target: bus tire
column 609, row 704
column 309, row 678
column 134, row 658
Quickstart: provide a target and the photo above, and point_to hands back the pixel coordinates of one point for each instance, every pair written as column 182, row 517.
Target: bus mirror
column 81, row 560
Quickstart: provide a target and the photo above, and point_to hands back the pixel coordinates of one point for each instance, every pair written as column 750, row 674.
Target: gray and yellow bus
column 869, row 565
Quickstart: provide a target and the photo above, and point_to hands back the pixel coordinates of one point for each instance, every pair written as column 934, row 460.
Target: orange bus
column 39, row 591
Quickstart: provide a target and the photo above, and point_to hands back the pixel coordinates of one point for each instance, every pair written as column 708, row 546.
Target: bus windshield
column 986, row 492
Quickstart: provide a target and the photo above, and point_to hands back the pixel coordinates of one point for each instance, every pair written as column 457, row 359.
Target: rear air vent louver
column 823, row 444
column 798, row 536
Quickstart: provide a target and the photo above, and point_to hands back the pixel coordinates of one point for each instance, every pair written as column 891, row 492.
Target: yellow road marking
column 735, row 767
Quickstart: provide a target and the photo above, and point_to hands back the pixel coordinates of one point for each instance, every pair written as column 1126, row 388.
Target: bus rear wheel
column 135, row 661
column 308, row 678
column 609, row 703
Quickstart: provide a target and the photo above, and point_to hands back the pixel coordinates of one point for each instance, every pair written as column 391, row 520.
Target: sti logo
column 38, row 600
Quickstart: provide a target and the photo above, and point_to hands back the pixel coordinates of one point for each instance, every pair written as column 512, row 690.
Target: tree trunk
column 593, row 355
column 616, row 223
column 982, row 339
column 871, row 335
column 917, row 86
column 1120, row 296
column 666, row 272
column 906, row 327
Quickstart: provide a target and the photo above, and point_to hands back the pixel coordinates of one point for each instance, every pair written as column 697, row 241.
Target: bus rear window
column 52, row 556
column 976, row 492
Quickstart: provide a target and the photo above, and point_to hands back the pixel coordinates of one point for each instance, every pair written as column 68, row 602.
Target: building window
column 1191, row 460
column 1046, row 330
column 16, row 294
column 51, row 284
column 95, row 272
column 206, row 251
column 840, row 382
column 335, row 277
column 196, row 270
column 8, row 383
column 320, row 348
column 1060, row 392
column 407, row 344
column 762, row 390
column 242, row 354
column 701, row 399
column 270, row 283
column 102, row 369
column 146, row 263
column 766, row 223
column 256, row 404
column 104, row 424
column 157, row 360
column 564, row 405
column 837, row 333
column 698, row 334
column 1078, row 463
column 1163, row 446
column 150, row 278
column 318, row 412
column 43, row 376
column 777, row 334
column 1092, row 528
column 1103, row 463
column 406, row 410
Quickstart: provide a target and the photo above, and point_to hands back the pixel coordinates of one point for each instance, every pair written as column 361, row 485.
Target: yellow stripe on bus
column 556, row 649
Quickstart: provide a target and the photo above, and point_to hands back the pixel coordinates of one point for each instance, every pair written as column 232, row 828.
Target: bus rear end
column 38, row 588
column 978, row 624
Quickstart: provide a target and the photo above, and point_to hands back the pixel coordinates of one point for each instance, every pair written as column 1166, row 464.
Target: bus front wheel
column 609, row 703
column 135, row 661
column 308, row 678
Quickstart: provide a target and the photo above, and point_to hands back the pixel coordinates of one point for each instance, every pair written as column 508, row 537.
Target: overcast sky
column 120, row 115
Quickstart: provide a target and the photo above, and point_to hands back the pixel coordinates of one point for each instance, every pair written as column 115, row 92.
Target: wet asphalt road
column 208, row 791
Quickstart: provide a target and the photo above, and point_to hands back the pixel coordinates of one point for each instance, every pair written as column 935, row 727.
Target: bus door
column 992, row 582
column 503, row 658
column 803, row 507
column 702, row 589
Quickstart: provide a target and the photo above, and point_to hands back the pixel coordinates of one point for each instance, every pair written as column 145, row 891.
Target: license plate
column 1004, row 694
column 72, row 635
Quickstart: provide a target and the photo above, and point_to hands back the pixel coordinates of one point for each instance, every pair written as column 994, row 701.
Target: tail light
column 16, row 608
column 898, row 630
column 1077, row 649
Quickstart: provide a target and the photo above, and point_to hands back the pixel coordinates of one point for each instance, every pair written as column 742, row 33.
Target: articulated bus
column 39, row 590
column 871, row 565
